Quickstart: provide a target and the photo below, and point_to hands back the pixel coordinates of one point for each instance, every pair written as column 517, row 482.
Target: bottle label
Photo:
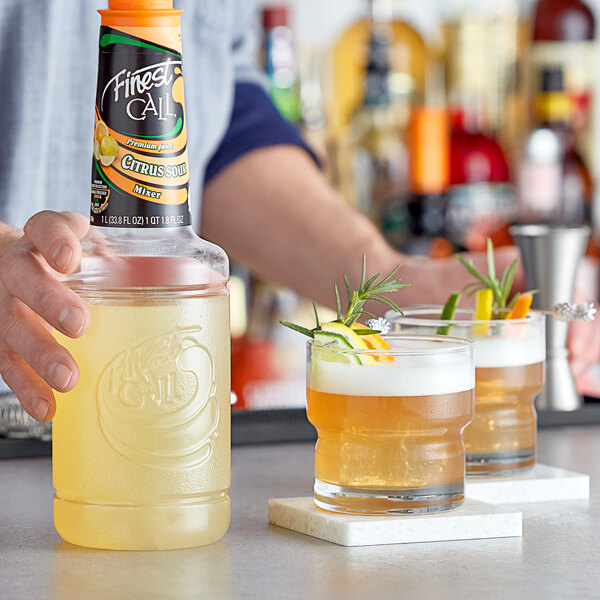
column 578, row 63
column 140, row 163
column 539, row 186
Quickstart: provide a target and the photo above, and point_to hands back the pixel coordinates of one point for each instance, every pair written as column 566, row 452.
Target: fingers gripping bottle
column 141, row 446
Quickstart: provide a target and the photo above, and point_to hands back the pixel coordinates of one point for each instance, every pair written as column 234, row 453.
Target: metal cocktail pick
column 381, row 324
column 569, row 312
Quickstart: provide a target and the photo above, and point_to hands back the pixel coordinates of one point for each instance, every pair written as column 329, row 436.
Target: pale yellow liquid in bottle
column 141, row 445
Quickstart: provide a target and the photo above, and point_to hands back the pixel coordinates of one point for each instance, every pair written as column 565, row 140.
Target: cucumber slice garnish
column 448, row 313
column 335, row 340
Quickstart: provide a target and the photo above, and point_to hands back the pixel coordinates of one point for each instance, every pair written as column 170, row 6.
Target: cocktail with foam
column 390, row 424
column 509, row 372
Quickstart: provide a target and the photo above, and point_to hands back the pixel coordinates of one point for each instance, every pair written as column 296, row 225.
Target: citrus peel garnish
column 374, row 342
column 354, row 341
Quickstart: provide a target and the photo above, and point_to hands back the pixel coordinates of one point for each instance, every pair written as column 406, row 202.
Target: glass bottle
column 564, row 36
column 279, row 61
column 484, row 65
column 403, row 49
column 539, row 177
column 141, row 445
column 408, row 59
column 429, row 181
column 380, row 158
column 485, row 48
column 554, row 112
column 481, row 200
column 428, row 176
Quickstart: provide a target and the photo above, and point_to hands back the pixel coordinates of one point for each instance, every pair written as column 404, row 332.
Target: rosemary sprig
column 371, row 289
column 501, row 288
column 299, row 328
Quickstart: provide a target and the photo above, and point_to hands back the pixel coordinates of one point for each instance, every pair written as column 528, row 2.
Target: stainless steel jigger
column 551, row 255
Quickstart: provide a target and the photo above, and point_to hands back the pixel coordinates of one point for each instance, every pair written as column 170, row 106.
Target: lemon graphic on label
column 96, row 150
column 101, row 131
column 109, row 150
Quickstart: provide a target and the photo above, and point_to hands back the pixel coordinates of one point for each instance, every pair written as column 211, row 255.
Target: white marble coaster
column 542, row 484
column 470, row 521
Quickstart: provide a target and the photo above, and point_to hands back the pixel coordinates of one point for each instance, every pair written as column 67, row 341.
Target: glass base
column 170, row 526
column 500, row 463
column 401, row 501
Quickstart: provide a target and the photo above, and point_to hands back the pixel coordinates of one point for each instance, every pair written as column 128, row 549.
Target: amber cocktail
column 509, row 373
column 390, row 429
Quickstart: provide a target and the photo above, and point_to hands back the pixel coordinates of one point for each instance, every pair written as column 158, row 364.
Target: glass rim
column 452, row 345
column 548, row 230
column 394, row 317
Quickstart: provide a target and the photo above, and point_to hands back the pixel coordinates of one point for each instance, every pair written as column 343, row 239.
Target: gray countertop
column 558, row 556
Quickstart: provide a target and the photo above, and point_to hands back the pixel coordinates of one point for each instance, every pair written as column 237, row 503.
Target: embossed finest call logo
column 157, row 404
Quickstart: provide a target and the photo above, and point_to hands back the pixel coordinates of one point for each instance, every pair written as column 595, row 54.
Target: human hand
column 584, row 337
column 432, row 280
column 33, row 301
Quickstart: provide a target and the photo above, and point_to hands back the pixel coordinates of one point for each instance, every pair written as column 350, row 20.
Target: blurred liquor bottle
column 429, row 178
column 379, row 157
column 564, row 36
column 539, row 177
column 279, row 62
column 555, row 183
column 383, row 37
column 312, row 106
column 407, row 58
column 481, row 198
column 485, row 49
column 485, row 45
column 429, row 181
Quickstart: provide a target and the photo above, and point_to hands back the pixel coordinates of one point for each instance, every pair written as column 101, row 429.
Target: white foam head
column 505, row 343
column 407, row 375
column 526, row 348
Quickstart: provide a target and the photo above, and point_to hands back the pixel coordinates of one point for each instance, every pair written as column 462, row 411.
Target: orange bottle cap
column 140, row 4
column 140, row 13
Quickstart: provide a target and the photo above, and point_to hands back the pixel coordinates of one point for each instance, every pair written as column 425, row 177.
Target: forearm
column 274, row 211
